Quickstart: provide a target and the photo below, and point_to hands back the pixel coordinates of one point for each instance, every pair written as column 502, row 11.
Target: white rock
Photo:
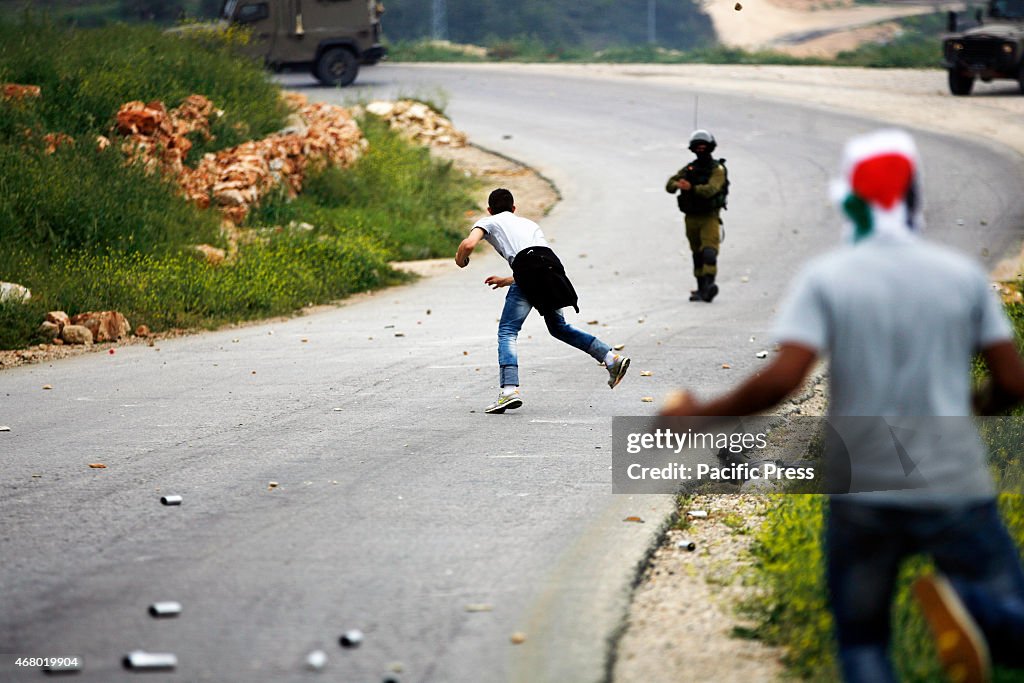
column 381, row 108
column 316, row 660
column 10, row 291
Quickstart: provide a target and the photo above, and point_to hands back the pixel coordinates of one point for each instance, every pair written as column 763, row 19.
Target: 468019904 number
column 47, row 661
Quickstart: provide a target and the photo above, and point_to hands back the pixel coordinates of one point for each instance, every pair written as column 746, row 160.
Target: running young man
column 900, row 320
column 538, row 281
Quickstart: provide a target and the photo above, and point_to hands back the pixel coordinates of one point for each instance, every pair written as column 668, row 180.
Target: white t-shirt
column 509, row 234
column 900, row 321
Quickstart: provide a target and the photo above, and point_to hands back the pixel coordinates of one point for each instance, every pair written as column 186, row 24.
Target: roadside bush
column 431, row 51
column 918, row 46
column 19, row 322
column 178, row 290
column 81, row 198
column 792, row 612
column 908, row 53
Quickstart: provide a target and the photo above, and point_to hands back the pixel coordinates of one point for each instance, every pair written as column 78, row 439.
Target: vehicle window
column 248, row 14
column 228, row 9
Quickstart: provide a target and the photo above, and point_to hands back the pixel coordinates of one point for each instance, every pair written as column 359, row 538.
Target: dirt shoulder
column 683, row 619
column 807, row 27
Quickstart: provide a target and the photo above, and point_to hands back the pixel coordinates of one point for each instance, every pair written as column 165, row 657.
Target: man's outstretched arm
column 467, row 246
column 758, row 393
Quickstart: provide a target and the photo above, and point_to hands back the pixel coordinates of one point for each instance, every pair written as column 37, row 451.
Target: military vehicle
column 992, row 48
column 331, row 38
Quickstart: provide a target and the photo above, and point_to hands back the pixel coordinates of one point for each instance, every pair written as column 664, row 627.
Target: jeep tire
column 960, row 84
column 337, row 66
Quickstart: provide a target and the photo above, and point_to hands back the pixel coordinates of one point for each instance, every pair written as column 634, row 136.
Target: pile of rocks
column 157, row 137
column 18, row 92
column 418, row 122
column 236, row 179
column 85, row 328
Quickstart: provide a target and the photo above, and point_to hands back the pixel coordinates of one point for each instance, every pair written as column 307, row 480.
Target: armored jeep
column 331, row 38
column 992, row 48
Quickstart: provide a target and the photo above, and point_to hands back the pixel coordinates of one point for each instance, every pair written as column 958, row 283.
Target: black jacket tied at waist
column 541, row 277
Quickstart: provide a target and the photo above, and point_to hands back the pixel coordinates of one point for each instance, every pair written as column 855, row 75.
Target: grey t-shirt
column 900, row 321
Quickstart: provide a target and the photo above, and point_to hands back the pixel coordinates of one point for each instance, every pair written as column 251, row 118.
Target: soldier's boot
column 695, row 294
column 710, row 290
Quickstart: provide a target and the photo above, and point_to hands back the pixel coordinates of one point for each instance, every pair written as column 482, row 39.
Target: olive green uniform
column 703, row 222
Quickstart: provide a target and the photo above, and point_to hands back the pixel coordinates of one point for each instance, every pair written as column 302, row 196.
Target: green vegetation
column 591, row 24
column 532, row 50
column 84, row 230
column 177, row 290
column 917, row 46
column 79, row 198
column 94, row 13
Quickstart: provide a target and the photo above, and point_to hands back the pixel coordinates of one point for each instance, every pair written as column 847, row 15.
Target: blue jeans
column 512, row 317
column 865, row 544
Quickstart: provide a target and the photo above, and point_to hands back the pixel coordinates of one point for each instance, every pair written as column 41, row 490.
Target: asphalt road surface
column 401, row 509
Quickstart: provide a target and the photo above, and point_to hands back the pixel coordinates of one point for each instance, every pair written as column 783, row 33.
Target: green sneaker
column 617, row 370
column 505, row 402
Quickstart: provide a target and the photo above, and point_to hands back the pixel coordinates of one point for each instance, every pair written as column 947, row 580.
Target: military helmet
column 701, row 135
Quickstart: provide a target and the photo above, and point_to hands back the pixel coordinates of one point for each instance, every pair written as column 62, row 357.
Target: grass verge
column 918, row 45
column 85, row 231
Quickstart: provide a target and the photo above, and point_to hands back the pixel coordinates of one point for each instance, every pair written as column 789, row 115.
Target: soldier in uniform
column 702, row 186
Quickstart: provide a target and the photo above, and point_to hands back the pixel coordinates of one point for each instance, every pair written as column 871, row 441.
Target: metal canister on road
column 686, row 544
column 165, row 609
column 351, row 638
column 316, row 660
column 150, row 661
column 170, row 500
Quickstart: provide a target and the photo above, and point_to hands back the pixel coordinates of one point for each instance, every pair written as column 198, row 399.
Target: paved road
column 399, row 503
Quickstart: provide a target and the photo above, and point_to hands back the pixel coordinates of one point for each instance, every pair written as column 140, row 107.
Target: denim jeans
column 512, row 317
column 865, row 544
